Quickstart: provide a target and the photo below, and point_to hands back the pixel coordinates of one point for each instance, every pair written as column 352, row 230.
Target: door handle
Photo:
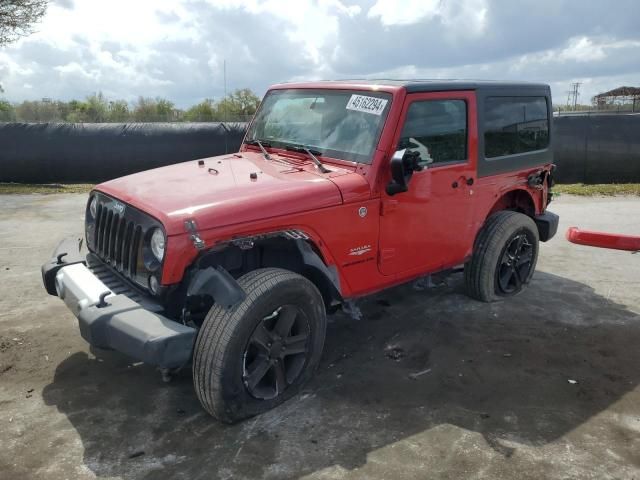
column 468, row 181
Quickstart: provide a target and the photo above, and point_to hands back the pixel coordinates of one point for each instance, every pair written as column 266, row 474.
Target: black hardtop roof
column 434, row 85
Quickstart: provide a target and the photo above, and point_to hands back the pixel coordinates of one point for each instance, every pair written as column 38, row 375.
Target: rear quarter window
column 515, row 125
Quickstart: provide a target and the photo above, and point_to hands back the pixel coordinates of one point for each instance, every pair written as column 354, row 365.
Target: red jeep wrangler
column 340, row 189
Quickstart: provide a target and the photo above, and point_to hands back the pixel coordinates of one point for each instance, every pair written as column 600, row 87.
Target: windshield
column 336, row 123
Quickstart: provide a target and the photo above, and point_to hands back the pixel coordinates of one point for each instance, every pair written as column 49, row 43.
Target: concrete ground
column 429, row 384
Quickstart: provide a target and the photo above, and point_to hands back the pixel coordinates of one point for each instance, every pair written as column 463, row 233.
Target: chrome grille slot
column 105, row 235
column 133, row 250
column 126, row 247
column 111, row 238
column 122, row 225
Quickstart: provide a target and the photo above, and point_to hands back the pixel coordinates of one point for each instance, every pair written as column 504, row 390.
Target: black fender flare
column 219, row 284
column 223, row 288
column 312, row 261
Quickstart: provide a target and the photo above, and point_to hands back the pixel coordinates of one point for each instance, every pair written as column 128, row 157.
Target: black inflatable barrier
column 597, row 148
column 569, row 134
column 71, row 152
column 589, row 148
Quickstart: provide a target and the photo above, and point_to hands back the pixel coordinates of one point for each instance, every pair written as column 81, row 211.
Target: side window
column 437, row 129
column 515, row 125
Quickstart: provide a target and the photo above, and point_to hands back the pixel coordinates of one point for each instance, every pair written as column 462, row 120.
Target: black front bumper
column 120, row 323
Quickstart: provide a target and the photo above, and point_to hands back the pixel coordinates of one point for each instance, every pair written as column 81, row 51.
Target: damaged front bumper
column 115, row 320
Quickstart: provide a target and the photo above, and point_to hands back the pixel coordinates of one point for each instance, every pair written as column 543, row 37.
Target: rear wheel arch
column 517, row 200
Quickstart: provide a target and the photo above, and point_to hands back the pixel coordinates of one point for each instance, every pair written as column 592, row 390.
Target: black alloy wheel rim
column 276, row 352
column 515, row 264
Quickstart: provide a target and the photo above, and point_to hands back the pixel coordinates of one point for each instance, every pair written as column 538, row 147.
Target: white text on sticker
column 362, row 103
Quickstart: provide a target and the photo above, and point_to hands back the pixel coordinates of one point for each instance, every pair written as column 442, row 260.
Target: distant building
column 621, row 97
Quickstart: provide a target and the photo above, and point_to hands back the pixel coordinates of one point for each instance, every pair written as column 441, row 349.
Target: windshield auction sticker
column 362, row 103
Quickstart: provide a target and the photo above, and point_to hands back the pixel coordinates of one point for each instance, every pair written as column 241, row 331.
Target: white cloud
column 463, row 16
column 74, row 69
column 312, row 24
column 176, row 48
column 582, row 49
column 404, row 12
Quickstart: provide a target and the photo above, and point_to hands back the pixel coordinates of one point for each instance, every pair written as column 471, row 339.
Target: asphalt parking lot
column 429, row 384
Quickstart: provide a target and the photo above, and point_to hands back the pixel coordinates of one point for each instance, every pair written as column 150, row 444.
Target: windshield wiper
column 312, row 155
column 260, row 144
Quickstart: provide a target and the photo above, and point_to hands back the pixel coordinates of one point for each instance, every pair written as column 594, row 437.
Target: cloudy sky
column 176, row 48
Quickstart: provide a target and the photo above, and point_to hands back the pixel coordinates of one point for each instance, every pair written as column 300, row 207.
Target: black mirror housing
column 403, row 164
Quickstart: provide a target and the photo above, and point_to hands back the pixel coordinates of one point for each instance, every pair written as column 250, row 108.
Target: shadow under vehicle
column 499, row 369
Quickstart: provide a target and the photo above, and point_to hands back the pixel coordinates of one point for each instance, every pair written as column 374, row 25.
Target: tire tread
column 217, row 332
column 479, row 271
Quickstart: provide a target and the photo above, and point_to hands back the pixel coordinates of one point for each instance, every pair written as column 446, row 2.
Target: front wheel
column 258, row 354
column 504, row 257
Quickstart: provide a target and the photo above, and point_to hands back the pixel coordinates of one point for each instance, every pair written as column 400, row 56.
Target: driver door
column 428, row 228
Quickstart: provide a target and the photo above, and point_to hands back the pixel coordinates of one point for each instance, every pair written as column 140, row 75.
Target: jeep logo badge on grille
column 118, row 207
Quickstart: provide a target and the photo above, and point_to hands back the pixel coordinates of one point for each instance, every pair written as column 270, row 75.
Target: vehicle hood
column 220, row 191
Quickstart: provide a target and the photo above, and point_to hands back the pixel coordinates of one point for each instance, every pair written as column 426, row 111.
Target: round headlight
column 93, row 207
column 157, row 244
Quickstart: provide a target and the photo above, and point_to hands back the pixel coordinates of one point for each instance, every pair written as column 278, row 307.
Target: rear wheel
column 504, row 257
column 255, row 356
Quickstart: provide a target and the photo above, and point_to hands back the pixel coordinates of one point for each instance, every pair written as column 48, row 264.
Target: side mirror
column 403, row 164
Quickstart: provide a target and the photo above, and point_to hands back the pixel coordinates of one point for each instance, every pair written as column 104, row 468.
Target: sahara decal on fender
column 360, row 250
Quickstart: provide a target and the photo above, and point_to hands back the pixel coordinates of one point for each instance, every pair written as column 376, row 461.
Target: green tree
column 63, row 110
column 153, row 110
column 239, row 105
column 75, row 112
column 165, row 110
column 144, row 110
column 37, row 111
column 204, row 111
column 7, row 112
column 17, row 18
column 119, row 111
column 96, row 108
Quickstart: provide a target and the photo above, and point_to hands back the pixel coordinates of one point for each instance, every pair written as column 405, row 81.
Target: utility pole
column 573, row 95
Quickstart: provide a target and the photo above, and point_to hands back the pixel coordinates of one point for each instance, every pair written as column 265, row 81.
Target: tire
column 495, row 271
column 240, row 368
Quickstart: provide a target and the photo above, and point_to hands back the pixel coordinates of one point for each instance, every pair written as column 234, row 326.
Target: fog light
column 154, row 285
